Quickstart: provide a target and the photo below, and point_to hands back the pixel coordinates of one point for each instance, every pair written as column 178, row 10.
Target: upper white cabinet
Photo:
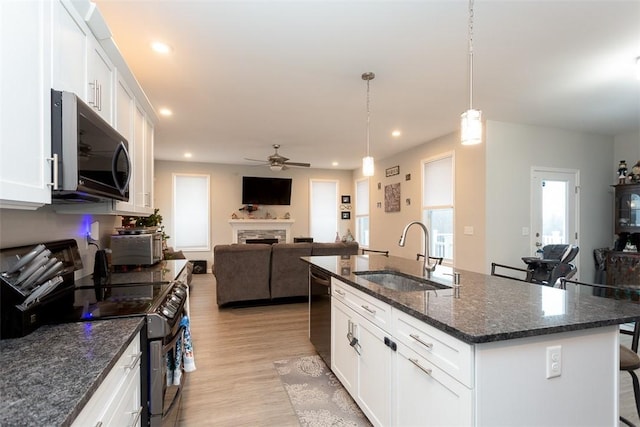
column 86, row 61
column 100, row 77
column 25, row 106
column 70, row 37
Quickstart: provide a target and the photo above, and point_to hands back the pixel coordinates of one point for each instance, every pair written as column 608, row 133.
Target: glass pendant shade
column 471, row 127
column 367, row 166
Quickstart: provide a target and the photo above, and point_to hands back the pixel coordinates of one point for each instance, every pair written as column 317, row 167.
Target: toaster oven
column 136, row 249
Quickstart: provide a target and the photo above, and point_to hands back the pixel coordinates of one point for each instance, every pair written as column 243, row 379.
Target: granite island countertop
column 487, row 308
column 48, row 376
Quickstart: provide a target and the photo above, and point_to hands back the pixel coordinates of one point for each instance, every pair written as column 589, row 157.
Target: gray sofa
column 251, row 272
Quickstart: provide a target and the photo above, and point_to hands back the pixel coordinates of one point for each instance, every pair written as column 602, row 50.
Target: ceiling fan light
column 471, row 127
column 276, row 168
column 367, row 166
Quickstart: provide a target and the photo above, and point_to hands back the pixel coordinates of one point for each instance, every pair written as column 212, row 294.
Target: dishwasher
column 320, row 312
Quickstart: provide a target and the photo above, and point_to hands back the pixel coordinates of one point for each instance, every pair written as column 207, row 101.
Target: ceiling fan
column 276, row 162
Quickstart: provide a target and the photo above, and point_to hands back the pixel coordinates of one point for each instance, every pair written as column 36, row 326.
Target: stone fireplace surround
column 243, row 229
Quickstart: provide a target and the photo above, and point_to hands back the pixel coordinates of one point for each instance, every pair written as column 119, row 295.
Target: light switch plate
column 468, row 230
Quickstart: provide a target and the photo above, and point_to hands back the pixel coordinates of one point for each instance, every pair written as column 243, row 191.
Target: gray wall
column 512, row 150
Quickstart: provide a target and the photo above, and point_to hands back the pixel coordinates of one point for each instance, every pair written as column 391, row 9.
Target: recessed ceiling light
column 161, row 47
column 165, row 112
column 396, row 133
column 334, row 163
column 188, row 155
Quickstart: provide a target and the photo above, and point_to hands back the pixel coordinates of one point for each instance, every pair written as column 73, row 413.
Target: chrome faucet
column 425, row 265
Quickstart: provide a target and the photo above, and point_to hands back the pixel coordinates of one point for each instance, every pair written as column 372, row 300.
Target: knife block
column 16, row 321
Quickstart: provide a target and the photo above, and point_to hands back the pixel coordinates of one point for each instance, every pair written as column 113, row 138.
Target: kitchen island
column 494, row 352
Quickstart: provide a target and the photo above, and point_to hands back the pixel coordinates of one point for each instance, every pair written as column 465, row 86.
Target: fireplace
column 258, row 229
column 266, row 241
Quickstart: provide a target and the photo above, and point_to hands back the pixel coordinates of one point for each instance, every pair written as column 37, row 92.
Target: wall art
column 346, row 215
column 395, row 170
column 392, row 198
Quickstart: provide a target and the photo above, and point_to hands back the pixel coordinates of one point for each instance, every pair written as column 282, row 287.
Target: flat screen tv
column 266, row 191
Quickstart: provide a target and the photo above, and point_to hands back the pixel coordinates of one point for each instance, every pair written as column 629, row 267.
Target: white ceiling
column 245, row 75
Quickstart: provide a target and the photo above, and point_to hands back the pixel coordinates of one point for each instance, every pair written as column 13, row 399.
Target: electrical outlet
column 554, row 361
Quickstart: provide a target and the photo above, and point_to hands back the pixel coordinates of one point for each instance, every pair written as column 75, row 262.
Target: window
column 323, row 211
column 437, row 205
column 191, row 212
column 362, row 212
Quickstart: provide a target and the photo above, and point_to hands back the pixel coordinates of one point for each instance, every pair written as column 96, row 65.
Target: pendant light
column 471, row 120
column 367, row 162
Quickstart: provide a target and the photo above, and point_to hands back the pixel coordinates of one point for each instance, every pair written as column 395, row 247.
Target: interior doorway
column 554, row 207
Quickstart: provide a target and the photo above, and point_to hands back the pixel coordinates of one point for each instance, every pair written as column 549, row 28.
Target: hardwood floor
column 235, row 383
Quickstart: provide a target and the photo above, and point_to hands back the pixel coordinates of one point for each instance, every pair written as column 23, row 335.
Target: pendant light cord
column 368, row 117
column 470, row 54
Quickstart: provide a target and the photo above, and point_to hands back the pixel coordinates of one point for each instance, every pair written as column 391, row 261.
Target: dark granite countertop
column 48, row 376
column 488, row 308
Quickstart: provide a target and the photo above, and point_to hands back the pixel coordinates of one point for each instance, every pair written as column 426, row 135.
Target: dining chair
column 437, row 259
column 366, row 251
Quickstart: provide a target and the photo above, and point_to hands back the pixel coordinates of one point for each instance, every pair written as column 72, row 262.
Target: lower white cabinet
column 426, row 395
column 394, row 384
column 117, row 402
column 361, row 359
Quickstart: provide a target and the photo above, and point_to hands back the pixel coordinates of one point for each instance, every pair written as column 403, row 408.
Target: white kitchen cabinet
column 25, row 106
column 344, row 358
column 360, row 358
column 100, row 78
column 427, row 395
column 148, row 153
column 70, row 35
column 124, row 123
column 375, row 364
column 117, row 401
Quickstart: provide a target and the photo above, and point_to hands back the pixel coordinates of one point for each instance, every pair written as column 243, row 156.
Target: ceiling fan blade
column 303, row 165
column 266, row 162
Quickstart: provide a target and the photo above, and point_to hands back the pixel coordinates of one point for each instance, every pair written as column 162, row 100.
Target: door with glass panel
column 554, row 208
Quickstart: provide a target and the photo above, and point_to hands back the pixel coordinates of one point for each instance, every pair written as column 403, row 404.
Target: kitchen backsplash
column 19, row 227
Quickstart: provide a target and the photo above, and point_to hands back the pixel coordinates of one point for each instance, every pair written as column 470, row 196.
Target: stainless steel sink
column 398, row 282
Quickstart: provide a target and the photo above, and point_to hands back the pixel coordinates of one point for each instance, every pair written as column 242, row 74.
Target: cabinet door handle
column 369, row 310
column 137, row 413
column 99, row 97
column 426, row 344
column 135, row 360
column 94, row 89
column 54, row 165
column 422, row 368
column 339, row 292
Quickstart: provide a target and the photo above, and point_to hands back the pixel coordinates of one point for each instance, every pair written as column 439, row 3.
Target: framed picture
column 392, row 171
column 346, row 215
column 392, row 198
column 346, row 199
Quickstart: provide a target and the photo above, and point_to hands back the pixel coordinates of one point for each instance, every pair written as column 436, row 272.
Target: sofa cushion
column 289, row 274
column 242, row 272
column 337, row 248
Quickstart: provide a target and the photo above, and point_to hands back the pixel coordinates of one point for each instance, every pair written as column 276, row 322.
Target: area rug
column 317, row 396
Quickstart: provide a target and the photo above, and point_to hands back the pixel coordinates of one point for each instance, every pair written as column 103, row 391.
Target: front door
column 554, row 207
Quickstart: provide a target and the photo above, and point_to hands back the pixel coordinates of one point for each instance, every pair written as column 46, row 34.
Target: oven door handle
column 172, row 342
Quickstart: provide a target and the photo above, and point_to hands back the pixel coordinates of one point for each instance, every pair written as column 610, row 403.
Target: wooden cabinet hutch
column 623, row 268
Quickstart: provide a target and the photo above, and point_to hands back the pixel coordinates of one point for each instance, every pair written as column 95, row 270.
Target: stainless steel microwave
column 136, row 249
column 91, row 160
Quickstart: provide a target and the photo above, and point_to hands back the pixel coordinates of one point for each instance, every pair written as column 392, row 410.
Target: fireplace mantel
column 260, row 226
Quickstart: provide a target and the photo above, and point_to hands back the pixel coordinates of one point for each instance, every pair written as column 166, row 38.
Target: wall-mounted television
column 266, row 191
